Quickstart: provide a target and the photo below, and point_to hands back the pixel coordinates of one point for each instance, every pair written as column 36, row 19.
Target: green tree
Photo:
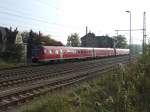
column 13, row 53
column 48, row 41
column 73, row 40
column 40, row 39
column 120, row 41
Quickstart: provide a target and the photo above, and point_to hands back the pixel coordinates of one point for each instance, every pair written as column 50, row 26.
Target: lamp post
column 130, row 37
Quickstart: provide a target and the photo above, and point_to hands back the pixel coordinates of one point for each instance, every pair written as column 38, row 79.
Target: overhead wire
column 34, row 29
column 20, row 12
column 16, row 14
column 46, row 4
column 33, row 19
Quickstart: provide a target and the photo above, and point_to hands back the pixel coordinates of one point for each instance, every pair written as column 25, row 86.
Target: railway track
column 38, row 81
column 24, row 71
column 44, row 75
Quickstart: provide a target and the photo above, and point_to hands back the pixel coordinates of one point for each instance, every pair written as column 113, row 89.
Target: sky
column 60, row 18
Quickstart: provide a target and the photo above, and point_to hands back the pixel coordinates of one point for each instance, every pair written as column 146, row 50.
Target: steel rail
column 45, row 75
column 23, row 93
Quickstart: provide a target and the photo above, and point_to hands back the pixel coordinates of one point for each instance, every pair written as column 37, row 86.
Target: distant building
column 90, row 40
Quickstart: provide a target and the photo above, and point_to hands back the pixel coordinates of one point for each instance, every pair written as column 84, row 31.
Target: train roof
column 88, row 48
column 64, row 47
column 123, row 49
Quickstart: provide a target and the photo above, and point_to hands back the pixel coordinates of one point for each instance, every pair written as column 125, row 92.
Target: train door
column 61, row 54
column 94, row 53
column 114, row 51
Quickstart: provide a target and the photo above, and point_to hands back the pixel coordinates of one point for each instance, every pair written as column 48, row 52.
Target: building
column 90, row 40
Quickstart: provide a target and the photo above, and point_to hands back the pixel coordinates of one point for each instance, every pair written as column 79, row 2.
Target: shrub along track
column 28, row 83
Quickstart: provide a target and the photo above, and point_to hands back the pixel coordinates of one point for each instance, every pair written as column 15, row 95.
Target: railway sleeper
column 43, row 92
column 30, row 79
column 60, row 83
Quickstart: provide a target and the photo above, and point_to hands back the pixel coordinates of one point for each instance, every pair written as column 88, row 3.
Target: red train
column 50, row 53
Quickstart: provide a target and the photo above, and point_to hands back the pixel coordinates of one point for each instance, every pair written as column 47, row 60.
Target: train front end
column 37, row 53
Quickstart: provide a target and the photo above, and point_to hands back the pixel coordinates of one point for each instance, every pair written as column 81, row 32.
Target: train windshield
column 37, row 51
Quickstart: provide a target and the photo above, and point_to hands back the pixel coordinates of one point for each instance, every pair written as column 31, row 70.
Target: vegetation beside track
column 124, row 90
column 5, row 65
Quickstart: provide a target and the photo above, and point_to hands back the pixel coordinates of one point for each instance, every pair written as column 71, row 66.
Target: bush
column 12, row 54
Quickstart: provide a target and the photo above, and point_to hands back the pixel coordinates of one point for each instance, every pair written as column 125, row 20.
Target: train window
column 61, row 51
column 64, row 52
column 45, row 51
column 74, row 51
column 56, row 52
column 50, row 51
column 68, row 50
column 71, row 51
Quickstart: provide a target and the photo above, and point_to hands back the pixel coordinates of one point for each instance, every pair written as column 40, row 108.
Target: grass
column 5, row 65
column 12, row 64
